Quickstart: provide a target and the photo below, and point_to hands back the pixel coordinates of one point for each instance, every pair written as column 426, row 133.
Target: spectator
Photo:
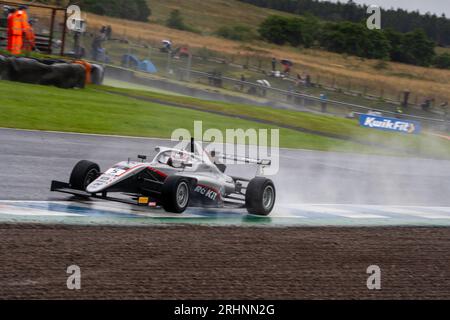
column 274, row 64
column 445, row 109
column 108, row 33
column 299, row 79
column 427, row 104
column 243, row 79
column 98, row 53
column 323, row 102
column 308, row 80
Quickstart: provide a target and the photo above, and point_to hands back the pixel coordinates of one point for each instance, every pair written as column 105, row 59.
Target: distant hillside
column 210, row 15
column 436, row 27
column 125, row 9
column 207, row 16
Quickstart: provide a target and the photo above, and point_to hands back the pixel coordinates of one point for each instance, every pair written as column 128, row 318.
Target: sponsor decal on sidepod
column 211, row 194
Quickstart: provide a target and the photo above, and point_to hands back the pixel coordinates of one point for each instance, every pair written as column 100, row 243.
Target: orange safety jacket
column 15, row 32
column 15, row 24
column 28, row 43
column 30, row 40
column 9, row 30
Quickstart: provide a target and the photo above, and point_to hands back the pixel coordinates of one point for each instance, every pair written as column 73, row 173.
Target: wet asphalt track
column 368, row 189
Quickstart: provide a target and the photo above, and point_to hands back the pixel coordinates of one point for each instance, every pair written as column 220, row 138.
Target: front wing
column 64, row 187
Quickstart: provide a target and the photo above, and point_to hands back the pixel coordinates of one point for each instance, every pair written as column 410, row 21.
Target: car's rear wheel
column 260, row 196
column 83, row 174
column 175, row 196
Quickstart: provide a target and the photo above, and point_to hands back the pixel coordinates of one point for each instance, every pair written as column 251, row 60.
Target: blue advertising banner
column 390, row 124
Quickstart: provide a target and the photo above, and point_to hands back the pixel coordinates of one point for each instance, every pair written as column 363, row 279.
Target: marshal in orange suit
column 20, row 33
column 15, row 33
column 27, row 30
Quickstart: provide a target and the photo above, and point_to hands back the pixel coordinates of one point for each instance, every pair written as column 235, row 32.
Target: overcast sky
column 433, row 6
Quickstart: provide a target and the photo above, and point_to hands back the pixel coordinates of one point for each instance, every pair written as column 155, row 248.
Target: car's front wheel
column 83, row 174
column 260, row 196
column 176, row 194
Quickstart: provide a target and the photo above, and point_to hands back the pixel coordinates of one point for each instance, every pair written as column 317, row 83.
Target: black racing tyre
column 260, row 196
column 175, row 195
column 83, row 174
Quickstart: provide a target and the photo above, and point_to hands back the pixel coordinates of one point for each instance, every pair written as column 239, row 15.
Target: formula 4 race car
column 175, row 180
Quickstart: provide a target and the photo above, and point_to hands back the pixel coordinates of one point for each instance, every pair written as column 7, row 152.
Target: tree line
column 436, row 27
column 354, row 39
column 137, row 10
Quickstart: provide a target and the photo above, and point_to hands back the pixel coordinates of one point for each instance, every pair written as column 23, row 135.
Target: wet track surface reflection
column 313, row 188
column 106, row 213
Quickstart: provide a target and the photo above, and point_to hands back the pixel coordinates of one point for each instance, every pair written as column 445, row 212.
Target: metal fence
column 48, row 24
column 300, row 100
column 204, row 67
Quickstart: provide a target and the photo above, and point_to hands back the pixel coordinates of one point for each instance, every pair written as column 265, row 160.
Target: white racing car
column 175, row 180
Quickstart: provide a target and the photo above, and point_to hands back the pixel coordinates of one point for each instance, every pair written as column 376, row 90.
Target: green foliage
column 175, row 20
column 436, row 27
column 350, row 38
column 442, row 61
column 238, row 33
column 302, row 32
column 412, row 47
column 355, row 39
column 137, row 10
column 273, row 29
column 379, row 47
column 396, row 40
column 344, row 37
column 418, row 49
column 295, row 31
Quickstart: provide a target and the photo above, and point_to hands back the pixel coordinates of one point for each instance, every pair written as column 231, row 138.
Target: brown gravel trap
column 199, row 262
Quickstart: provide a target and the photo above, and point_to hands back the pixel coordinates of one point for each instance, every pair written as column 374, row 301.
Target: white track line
column 12, row 207
column 295, row 210
column 415, row 212
column 334, row 210
column 17, row 211
column 357, row 211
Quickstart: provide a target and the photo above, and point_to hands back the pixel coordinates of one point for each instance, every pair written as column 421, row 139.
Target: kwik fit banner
column 390, row 124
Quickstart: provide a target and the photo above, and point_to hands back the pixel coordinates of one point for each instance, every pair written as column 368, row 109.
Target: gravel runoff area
column 200, row 262
column 194, row 262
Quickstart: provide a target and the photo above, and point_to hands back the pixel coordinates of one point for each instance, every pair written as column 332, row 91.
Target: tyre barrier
column 52, row 72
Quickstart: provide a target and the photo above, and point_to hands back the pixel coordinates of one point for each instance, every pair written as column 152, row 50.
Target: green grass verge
column 92, row 111
column 423, row 145
column 95, row 111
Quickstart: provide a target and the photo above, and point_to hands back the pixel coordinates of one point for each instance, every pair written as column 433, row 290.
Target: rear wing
column 216, row 155
column 261, row 162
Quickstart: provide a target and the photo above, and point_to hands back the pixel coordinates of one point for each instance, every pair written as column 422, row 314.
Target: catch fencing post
column 63, row 41
column 405, row 103
column 169, row 62
column 129, row 55
column 189, row 66
column 323, row 102
column 52, row 30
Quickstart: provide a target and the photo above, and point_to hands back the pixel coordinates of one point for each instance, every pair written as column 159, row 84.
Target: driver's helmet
column 164, row 157
column 174, row 158
column 179, row 157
